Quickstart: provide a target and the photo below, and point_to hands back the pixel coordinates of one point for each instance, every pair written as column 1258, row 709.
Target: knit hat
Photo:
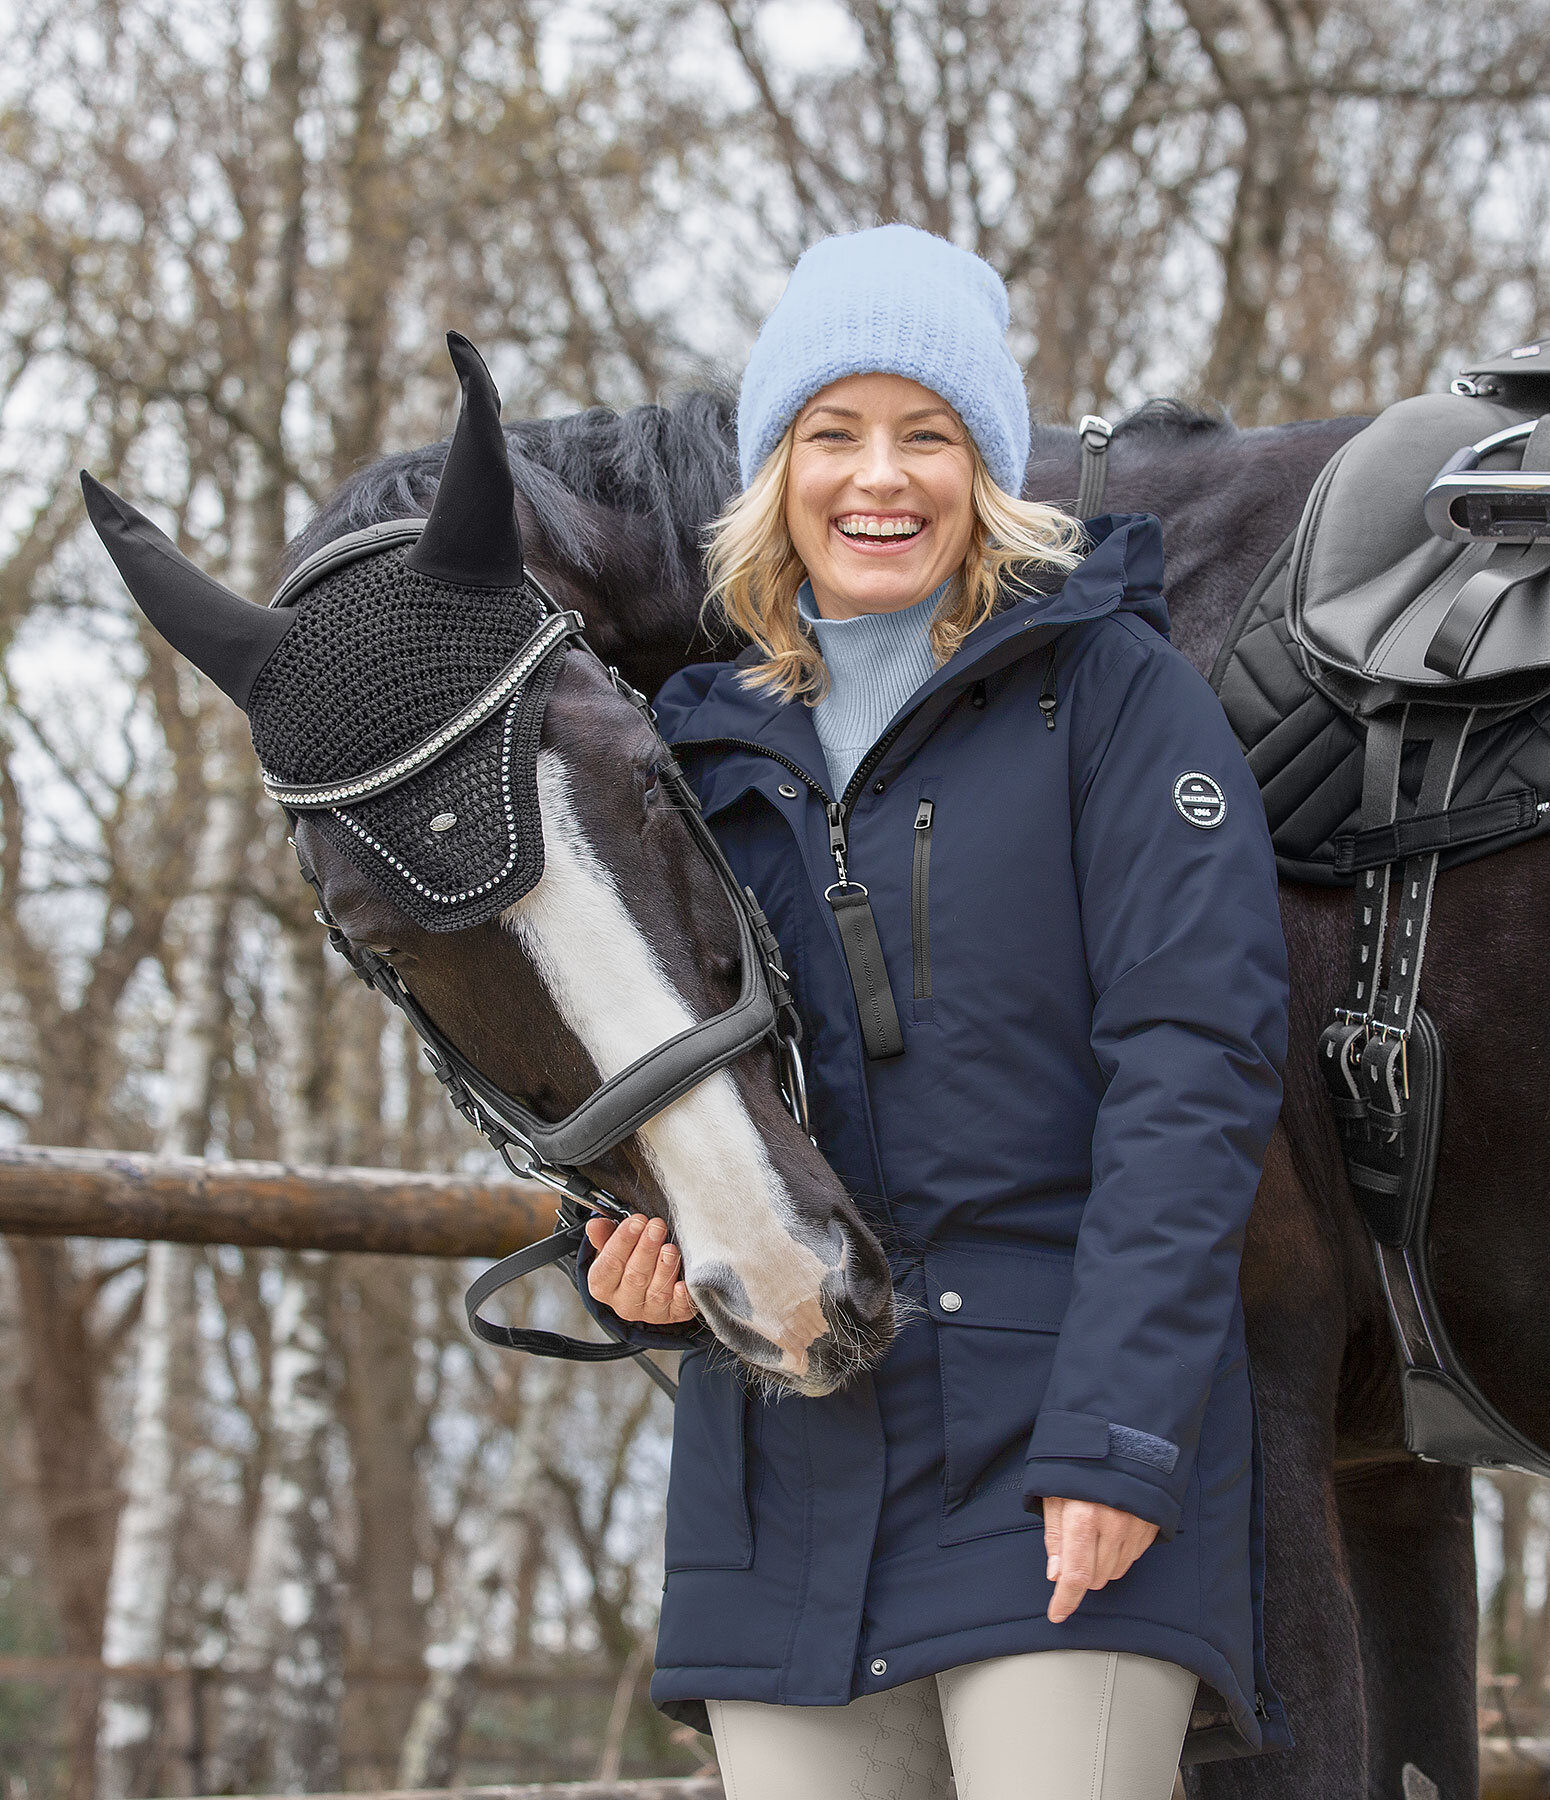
column 897, row 300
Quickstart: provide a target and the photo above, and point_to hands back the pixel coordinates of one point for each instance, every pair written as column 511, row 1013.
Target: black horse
column 1370, row 1595
column 1370, row 1583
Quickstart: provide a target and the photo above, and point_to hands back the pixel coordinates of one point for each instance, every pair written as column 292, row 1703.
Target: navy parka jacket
column 1091, row 979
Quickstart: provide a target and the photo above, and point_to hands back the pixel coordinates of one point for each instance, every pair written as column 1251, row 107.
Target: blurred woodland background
column 361, row 1551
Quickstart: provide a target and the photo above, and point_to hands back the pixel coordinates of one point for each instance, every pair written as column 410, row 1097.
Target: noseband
column 554, row 1153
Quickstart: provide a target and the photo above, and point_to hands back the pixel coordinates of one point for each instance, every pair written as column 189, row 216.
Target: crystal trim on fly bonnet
column 556, row 627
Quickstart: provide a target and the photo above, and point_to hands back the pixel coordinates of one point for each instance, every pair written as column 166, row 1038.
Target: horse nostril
column 721, row 1286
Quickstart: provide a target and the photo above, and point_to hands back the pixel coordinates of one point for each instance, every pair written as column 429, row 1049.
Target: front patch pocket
column 998, row 1316
column 708, row 1521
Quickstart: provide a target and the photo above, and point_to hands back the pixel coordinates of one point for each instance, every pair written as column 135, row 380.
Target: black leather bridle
column 554, row 1153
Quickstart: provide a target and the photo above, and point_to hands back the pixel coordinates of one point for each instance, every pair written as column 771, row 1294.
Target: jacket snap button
column 879, row 1667
column 787, row 790
column 950, row 1302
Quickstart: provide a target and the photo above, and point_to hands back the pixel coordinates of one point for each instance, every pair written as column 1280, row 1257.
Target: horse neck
column 1226, row 499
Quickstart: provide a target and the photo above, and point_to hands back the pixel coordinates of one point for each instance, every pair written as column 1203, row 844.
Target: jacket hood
column 1123, row 572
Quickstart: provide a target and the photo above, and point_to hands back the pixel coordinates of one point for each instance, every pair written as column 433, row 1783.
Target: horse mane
column 661, row 470
column 1172, row 418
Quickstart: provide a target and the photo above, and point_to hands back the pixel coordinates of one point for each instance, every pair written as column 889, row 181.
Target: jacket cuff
column 1082, row 1456
column 643, row 1337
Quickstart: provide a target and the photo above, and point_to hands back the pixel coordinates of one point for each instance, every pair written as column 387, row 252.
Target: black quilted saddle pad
column 1307, row 755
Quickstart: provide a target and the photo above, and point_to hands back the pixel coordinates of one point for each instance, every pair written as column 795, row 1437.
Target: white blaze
column 729, row 1204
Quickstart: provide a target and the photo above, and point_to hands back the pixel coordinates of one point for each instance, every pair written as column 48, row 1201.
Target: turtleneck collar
column 875, row 661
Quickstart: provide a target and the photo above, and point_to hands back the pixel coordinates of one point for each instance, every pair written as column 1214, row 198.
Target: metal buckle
column 1095, row 431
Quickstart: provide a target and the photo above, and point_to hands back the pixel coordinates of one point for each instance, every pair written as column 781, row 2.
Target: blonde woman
column 1023, row 879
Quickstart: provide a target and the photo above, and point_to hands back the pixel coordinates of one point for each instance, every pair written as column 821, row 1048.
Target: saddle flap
column 1373, row 591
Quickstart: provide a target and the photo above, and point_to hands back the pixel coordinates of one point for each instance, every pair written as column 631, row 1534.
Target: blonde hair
column 755, row 572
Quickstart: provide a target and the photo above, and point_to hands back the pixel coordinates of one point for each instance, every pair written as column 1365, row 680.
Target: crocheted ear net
column 381, row 657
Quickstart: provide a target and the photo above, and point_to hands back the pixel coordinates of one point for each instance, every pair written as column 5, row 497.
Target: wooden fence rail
column 47, row 1192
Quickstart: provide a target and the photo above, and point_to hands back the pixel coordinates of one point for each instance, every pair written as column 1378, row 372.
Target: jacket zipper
column 836, row 811
column 920, row 899
column 850, row 897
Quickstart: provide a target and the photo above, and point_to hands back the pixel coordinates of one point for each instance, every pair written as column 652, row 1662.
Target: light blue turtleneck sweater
column 875, row 662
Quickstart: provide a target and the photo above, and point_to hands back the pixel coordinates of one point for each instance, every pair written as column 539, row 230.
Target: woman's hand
column 636, row 1272
column 1088, row 1544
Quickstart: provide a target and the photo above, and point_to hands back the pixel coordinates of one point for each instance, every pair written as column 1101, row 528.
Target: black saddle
column 1388, row 677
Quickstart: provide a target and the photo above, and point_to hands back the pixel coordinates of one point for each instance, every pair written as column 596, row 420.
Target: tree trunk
column 287, row 1649
column 75, row 1482
column 145, row 1550
column 1261, row 55
column 430, row 1753
column 383, row 1415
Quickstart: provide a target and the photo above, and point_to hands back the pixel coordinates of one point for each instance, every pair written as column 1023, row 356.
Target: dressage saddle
column 1388, row 678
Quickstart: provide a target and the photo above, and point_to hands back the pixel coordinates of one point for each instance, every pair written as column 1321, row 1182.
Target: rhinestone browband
column 556, row 627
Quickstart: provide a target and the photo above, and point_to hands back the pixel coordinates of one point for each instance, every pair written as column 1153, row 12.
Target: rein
column 554, row 1153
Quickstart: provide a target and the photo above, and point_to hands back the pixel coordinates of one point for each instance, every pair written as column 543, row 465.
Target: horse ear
column 471, row 538
column 228, row 638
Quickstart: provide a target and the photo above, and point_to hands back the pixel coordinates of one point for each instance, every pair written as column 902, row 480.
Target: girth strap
column 1383, row 1062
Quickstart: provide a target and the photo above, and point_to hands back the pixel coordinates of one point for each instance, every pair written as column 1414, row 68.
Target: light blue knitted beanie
column 897, row 300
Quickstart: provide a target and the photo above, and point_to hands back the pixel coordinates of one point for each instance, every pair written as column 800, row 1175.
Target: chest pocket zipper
column 920, row 899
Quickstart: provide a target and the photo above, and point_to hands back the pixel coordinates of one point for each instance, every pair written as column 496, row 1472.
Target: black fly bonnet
column 410, row 731
column 395, row 687
column 396, row 691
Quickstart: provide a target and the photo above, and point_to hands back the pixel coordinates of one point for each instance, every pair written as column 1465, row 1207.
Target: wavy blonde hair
column 754, row 571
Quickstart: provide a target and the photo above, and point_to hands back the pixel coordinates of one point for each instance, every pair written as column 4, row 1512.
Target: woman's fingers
column 659, row 1287
column 613, row 1244
column 1053, row 1507
column 1078, row 1545
column 636, row 1271
column 1087, row 1546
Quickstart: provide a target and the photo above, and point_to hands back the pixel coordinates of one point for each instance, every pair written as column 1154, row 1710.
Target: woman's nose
column 879, row 472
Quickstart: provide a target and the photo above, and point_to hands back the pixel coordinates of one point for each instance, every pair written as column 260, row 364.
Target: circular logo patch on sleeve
column 1200, row 800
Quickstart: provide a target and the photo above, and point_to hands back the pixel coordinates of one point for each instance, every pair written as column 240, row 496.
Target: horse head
column 499, row 837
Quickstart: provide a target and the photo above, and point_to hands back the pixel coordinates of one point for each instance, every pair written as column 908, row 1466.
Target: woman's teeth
column 880, row 528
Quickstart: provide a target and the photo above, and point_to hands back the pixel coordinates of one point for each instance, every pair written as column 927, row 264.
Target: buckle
column 1095, row 431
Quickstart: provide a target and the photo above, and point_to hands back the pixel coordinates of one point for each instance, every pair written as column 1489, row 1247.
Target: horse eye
column 386, row 951
column 653, row 781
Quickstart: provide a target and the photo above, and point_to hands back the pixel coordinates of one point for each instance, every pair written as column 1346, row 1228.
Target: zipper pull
column 876, row 1013
column 1047, row 692
column 923, row 815
column 837, row 838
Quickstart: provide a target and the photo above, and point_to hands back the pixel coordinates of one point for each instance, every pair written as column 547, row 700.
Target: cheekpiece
column 402, row 714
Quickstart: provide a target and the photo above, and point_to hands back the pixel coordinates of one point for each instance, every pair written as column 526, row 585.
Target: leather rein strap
column 554, row 1153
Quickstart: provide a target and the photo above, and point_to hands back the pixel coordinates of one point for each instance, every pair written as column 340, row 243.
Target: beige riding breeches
column 1050, row 1725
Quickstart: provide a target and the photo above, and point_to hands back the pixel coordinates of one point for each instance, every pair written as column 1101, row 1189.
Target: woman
column 1028, row 1545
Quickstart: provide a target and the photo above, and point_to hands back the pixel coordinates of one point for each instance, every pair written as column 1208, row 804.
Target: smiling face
column 879, row 495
